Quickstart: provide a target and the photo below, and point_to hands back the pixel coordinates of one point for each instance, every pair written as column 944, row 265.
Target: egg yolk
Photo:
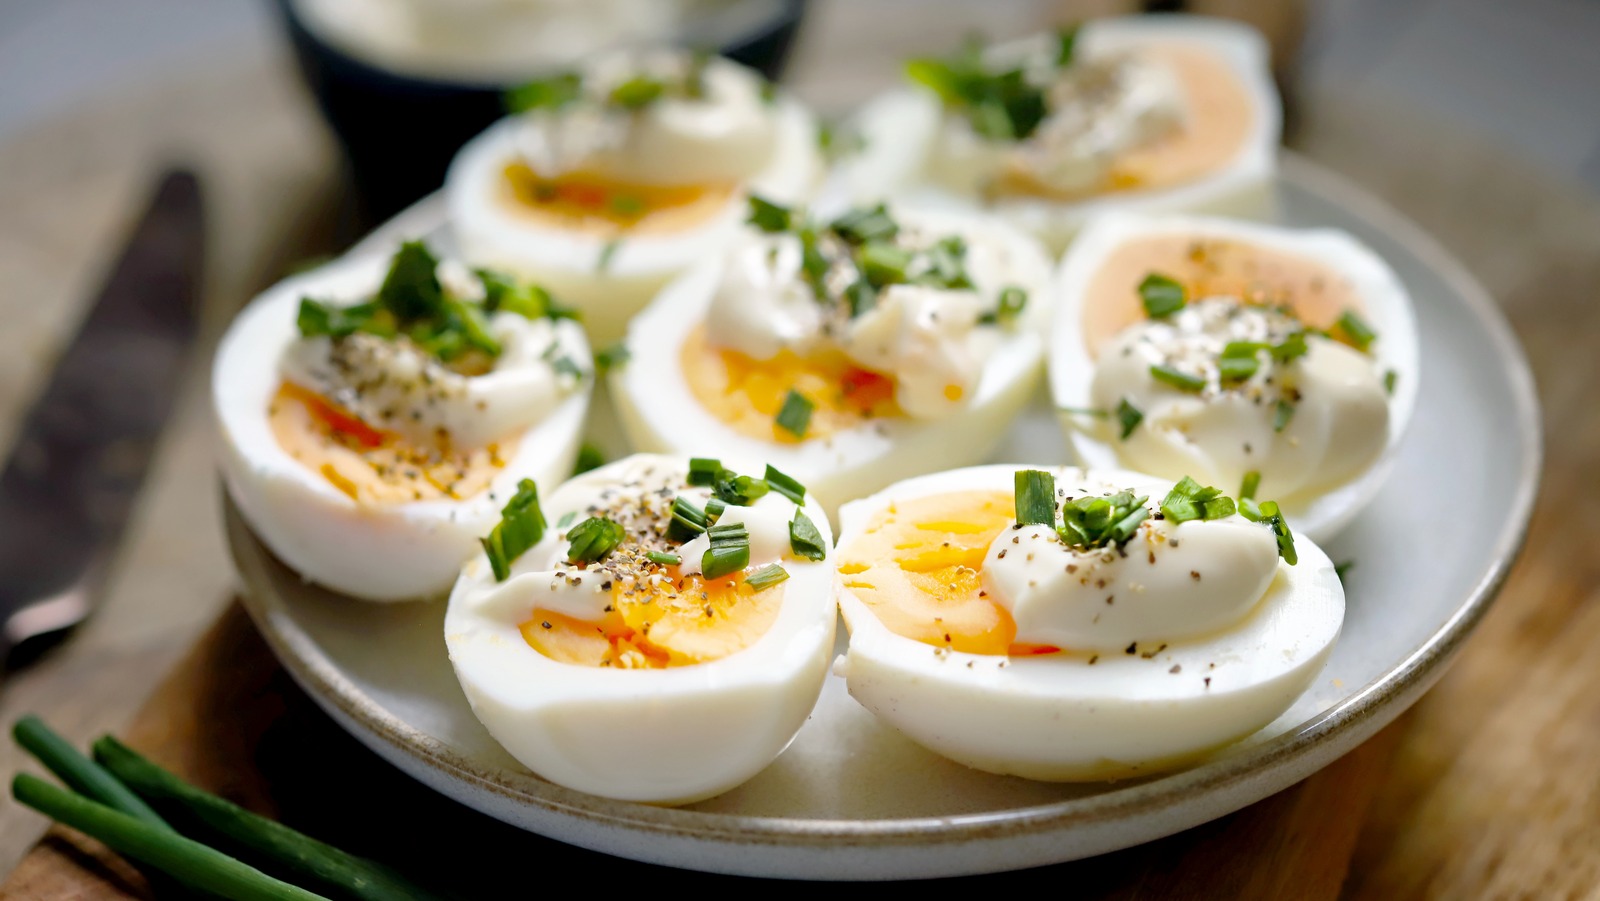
column 579, row 201
column 1315, row 293
column 918, row 566
column 1218, row 122
column 679, row 622
column 747, row 393
column 373, row 466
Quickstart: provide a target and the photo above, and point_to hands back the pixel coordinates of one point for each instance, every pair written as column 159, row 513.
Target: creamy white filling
column 395, row 386
column 1167, row 583
column 1100, row 108
column 1340, row 418
column 926, row 337
column 727, row 135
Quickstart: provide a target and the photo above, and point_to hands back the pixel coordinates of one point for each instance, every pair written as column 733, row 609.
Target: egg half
column 1194, row 127
column 652, row 191
column 687, row 389
column 367, row 508
column 638, row 680
column 996, row 646
column 1328, row 454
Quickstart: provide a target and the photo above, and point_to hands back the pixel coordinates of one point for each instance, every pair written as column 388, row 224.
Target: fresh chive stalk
column 663, row 558
column 768, row 216
column 804, row 538
column 1355, row 330
column 1129, row 416
column 766, row 577
column 1281, row 414
column 592, row 539
column 1035, row 497
column 704, row 471
column 589, row 457
column 740, row 491
column 784, row 485
column 1177, row 378
column 330, row 870
column 1012, row 302
column 81, row 774
column 612, row 357
column 187, row 861
column 1252, row 483
column 729, row 551
column 687, row 520
column 521, row 526
column 794, row 416
column 1161, row 295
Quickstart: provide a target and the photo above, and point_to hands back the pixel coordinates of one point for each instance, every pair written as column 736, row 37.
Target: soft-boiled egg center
column 673, row 621
column 747, row 393
column 1218, row 119
column 373, row 465
column 606, row 207
column 1313, row 292
column 918, row 566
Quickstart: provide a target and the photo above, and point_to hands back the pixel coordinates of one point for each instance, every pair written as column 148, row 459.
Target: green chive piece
column 768, row 216
column 589, row 457
column 1217, row 508
column 1281, row 414
column 865, row 224
column 945, row 266
column 592, row 539
column 999, row 101
column 521, row 526
column 1390, row 377
column 794, row 416
column 1035, row 497
column 687, row 520
column 740, row 491
column 804, row 538
column 612, row 357
column 637, row 92
column 1066, row 41
column 1162, row 295
column 608, row 253
column 785, row 485
column 1096, row 412
column 704, row 471
column 1280, row 530
column 1012, row 302
column 861, row 297
column 1355, row 331
column 882, row 263
column 664, row 559
column 1291, row 347
column 1129, row 416
column 1249, row 510
column 546, row 93
column 729, row 551
column 1188, row 500
column 1339, row 569
column 1092, row 522
column 188, row 861
column 1237, row 369
column 81, row 774
column 766, row 577
column 1183, row 381
column 566, row 519
column 714, row 508
column 1252, row 482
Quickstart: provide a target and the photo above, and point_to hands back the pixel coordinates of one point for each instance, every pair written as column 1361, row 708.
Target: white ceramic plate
column 850, row 799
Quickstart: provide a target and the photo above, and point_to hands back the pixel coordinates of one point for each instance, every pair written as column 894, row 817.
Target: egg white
column 1387, row 307
column 899, row 127
column 568, row 263
column 375, row 552
column 659, row 411
column 660, row 736
column 1060, row 717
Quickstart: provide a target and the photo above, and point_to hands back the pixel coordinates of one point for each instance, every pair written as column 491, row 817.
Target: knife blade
column 84, row 446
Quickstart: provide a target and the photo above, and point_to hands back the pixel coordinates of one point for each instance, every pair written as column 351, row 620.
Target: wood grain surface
column 1489, row 787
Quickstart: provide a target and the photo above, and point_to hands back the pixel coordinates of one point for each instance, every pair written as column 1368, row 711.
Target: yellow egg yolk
column 1314, row 293
column 605, row 208
column 747, row 393
column 679, row 622
column 374, row 466
column 918, row 566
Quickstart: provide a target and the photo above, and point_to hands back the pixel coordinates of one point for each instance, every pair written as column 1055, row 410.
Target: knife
column 83, row 448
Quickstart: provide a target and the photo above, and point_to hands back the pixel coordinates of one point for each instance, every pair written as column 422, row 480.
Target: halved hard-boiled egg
column 1071, row 625
column 1142, row 113
column 1242, row 354
column 850, row 351
column 376, row 413
column 654, row 630
column 614, row 179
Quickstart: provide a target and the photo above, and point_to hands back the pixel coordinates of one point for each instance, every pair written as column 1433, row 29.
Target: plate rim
column 1410, row 676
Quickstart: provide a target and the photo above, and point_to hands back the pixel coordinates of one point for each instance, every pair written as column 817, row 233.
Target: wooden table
column 1489, row 787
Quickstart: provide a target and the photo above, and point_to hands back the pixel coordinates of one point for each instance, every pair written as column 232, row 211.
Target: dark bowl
column 400, row 131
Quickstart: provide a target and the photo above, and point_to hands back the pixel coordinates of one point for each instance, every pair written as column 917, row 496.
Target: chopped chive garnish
column 565, row 365
column 1339, row 569
column 1035, row 497
column 766, row 577
column 1355, row 331
column 1183, row 381
column 1096, row 412
column 1291, row 347
column 566, row 519
column 608, row 252
column 804, row 539
column 1249, row 510
column 785, row 485
column 740, row 491
column 1188, row 500
column 768, row 216
column 999, row 100
column 1389, row 379
column 1217, row 508
column 945, row 265
column 589, row 457
column 1243, row 350
column 1280, row 530
column 1066, row 41
column 795, row 415
column 521, row 526
column 861, row 297
column 729, row 551
column 1012, row 302
column 687, row 520
column 1252, row 482
column 637, row 92
column 1162, row 295
column 1281, row 415
column 864, row 224
column 882, row 263
column 1129, row 416
column 1094, row 522
column 611, row 357
column 704, row 471
column 663, row 558
column 545, row 93
column 1237, row 369
column 714, row 508
column 592, row 539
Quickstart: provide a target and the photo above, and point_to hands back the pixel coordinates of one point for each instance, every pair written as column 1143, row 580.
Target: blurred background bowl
column 399, row 128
